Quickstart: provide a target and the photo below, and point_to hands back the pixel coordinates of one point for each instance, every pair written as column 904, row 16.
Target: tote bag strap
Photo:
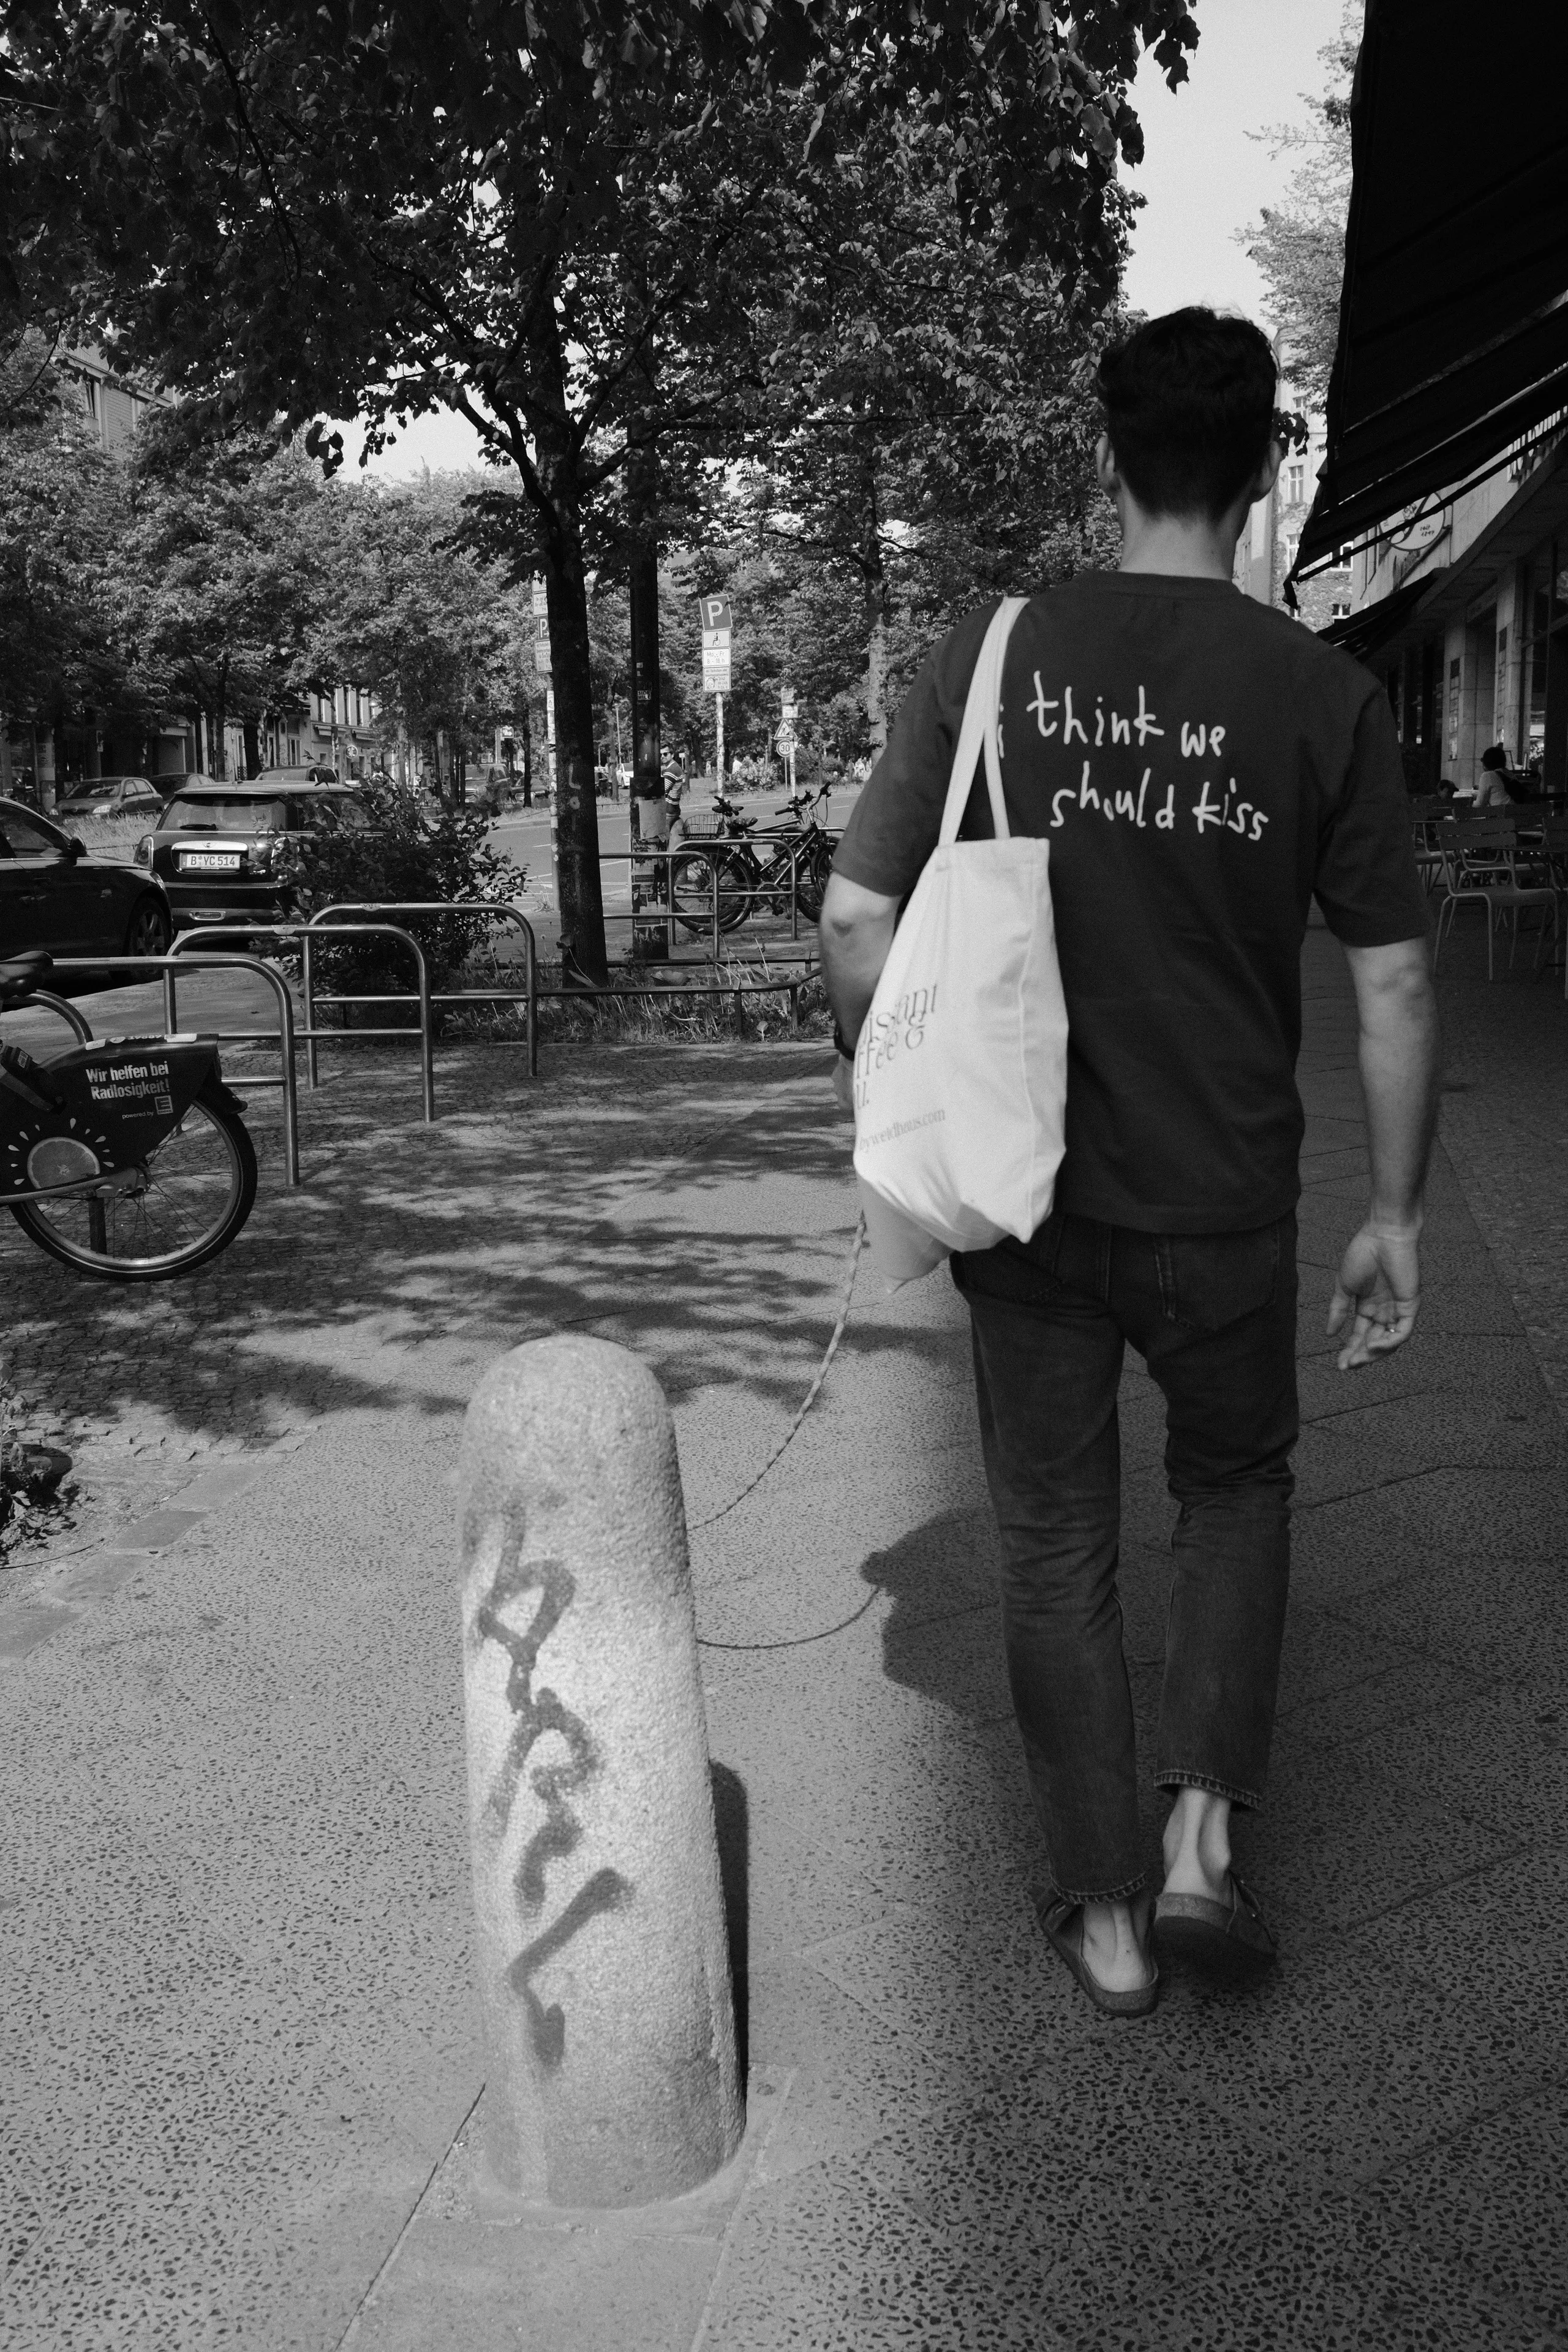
column 980, row 731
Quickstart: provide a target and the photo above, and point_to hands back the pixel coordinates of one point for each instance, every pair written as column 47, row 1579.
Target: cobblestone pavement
column 399, row 1235
column 237, row 2058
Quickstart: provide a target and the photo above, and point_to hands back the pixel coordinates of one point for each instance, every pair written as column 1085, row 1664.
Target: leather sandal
column 1057, row 1918
column 1230, row 1938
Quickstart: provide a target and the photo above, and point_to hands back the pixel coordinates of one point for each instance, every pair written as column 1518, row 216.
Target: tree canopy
column 1299, row 245
column 63, row 514
column 548, row 215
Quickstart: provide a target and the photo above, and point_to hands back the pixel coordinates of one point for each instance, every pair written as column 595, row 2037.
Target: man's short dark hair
column 1189, row 407
column 1494, row 756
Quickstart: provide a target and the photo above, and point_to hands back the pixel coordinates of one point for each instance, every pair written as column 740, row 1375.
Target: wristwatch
column 847, row 1051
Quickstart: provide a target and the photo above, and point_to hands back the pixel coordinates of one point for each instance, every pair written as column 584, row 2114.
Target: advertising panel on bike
column 110, row 1105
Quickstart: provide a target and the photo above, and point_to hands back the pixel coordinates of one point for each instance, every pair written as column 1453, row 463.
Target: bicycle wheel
column 186, row 1202
column 811, row 879
column 692, row 889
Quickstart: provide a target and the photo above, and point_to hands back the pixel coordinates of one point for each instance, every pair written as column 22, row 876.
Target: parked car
column 223, row 852
column 55, row 894
column 281, row 779
column 114, row 796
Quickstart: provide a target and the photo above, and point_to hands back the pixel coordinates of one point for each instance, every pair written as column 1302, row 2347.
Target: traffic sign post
column 716, row 677
column 787, row 740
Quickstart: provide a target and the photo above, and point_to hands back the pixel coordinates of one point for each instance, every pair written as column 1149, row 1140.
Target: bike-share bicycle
column 127, row 1158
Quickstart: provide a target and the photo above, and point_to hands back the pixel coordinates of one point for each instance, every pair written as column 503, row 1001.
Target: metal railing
column 532, row 994
column 528, row 995
column 146, row 967
column 309, row 1035
column 735, row 988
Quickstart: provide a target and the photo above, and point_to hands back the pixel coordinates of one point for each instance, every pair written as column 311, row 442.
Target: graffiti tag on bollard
column 534, row 1715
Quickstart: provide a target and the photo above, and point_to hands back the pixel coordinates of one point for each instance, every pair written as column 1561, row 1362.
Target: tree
column 923, row 424
column 220, row 573
column 435, row 633
column 504, row 208
column 1300, row 246
column 62, row 524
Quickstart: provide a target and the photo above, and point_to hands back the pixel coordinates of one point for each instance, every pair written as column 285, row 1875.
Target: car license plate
column 209, row 861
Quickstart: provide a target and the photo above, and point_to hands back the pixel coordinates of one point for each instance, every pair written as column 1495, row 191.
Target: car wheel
column 148, row 934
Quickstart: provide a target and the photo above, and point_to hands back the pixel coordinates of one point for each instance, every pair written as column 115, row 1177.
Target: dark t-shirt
column 1201, row 766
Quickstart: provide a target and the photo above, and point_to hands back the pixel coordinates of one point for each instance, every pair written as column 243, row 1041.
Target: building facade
column 1461, row 607
column 1267, row 549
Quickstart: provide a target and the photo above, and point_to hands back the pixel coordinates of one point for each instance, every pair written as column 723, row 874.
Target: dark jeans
column 1214, row 1317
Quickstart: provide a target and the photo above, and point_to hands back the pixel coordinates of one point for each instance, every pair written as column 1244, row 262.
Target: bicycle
column 802, row 860
column 126, row 1159
column 794, row 870
column 684, row 882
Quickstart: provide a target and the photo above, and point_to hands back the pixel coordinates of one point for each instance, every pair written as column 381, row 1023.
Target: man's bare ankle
column 1197, row 1845
column 1115, row 1945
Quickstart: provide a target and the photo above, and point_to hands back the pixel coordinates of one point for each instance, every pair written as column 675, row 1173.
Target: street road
column 232, row 1001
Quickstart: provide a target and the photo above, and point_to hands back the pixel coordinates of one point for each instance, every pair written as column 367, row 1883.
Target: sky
column 1203, row 177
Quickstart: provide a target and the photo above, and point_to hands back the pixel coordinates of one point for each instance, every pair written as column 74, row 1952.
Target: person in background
column 1491, row 785
column 674, row 788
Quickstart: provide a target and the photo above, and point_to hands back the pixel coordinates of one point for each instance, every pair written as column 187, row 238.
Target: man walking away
column 1202, row 767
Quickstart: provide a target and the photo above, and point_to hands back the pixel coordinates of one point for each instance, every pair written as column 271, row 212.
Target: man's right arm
column 1379, row 1284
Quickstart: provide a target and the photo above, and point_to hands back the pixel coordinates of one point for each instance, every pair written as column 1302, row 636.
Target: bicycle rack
column 532, row 994
column 528, row 995
column 145, row 967
column 310, row 1034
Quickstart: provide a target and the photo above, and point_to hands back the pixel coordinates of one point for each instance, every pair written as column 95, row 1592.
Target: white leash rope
column 811, row 1395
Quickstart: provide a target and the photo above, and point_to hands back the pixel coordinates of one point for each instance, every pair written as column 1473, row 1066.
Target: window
column 213, row 814
column 23, row 838
column 1339, row 612
column 1295, row 482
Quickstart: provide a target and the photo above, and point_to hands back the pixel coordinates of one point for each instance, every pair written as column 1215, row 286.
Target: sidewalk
column 238, row 2061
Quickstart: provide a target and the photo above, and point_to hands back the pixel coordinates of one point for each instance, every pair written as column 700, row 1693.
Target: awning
column 1423, row 606
column 1362, row 633
column 1453, row 338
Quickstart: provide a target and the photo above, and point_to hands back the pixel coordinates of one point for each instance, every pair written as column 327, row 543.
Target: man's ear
column 1268, row 474
column 1105, row 466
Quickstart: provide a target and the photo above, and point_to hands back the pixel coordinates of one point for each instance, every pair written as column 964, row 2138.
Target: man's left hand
column 1378, row 1293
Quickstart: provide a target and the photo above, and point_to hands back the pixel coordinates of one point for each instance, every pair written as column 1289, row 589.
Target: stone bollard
column 602, row 1950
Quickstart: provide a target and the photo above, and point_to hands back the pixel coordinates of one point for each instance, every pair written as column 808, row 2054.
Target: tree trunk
column 877, row 677
column 576, row 828
column 252, row 747
column 642, row 543
column 876, row 622
column 217, row 732
column 527, row 756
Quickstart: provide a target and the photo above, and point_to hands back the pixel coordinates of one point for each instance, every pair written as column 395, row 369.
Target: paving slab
column 240, row 2071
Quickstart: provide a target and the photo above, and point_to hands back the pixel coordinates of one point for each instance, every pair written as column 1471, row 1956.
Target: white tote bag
column 961, row 1068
